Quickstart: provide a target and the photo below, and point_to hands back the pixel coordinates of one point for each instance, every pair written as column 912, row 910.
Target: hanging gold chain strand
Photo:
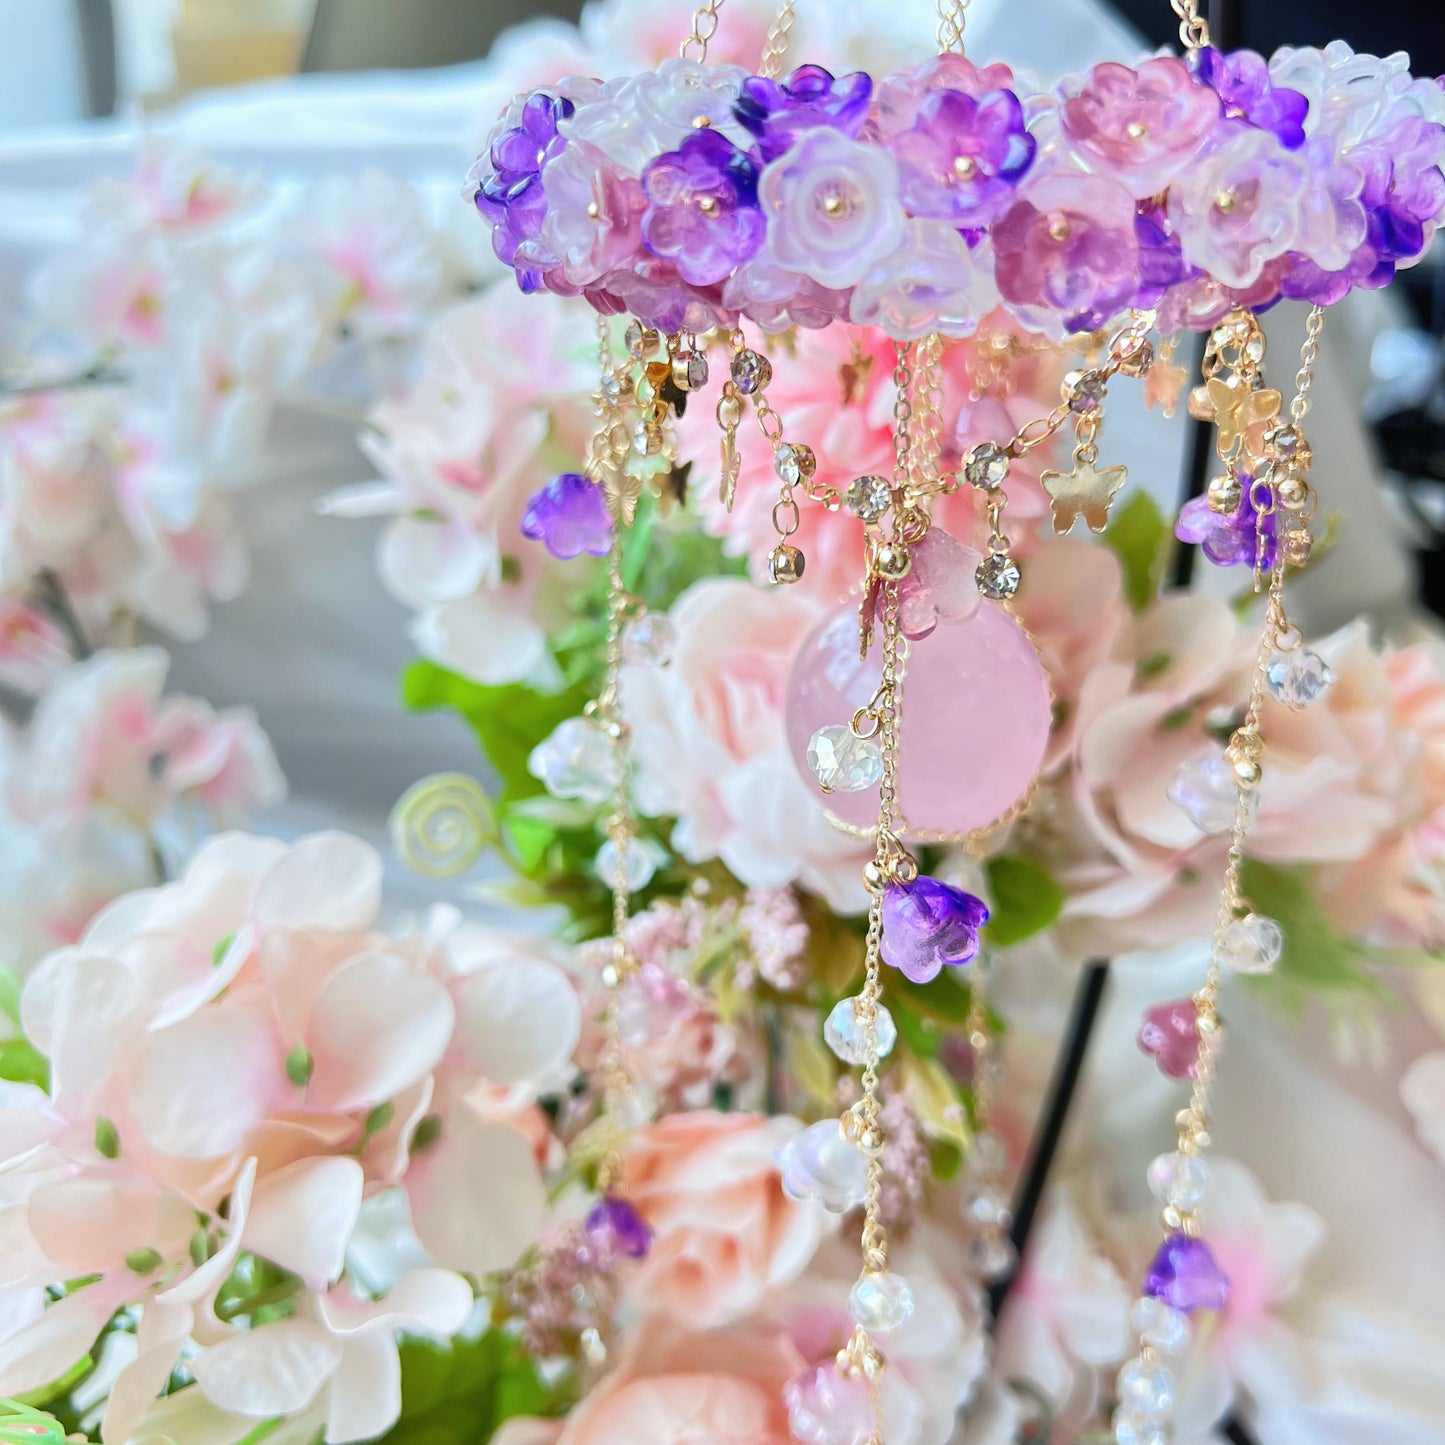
column 1193, row 27
column 775, row 48
column 951, row 18
column 704, row 27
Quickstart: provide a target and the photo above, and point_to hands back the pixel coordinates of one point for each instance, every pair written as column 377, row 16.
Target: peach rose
column 725, row 1233
column 670, row 1389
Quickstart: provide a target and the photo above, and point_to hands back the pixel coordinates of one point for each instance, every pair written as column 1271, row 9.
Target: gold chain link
column 1309, row 354
column 951, row 17
column 704, row 27
column 775, row 48
column 1193, row 27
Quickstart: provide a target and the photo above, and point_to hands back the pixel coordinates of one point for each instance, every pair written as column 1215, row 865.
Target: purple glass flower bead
column 614, row 1230
column 928, row 925
column 569, row 516
column 1170, row 1037
column 1186, row 1276
column 1242, row 81
column 778, row 111
column 703, row 208
column 963, row 156
column 1230, row 540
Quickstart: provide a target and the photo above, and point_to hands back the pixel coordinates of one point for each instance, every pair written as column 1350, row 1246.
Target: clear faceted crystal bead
column 1298, row 677
column 1179, row 1179
column 843, row 762
column 1084, row 390
column 881, row 1303
column 612, row 387
column 1132, row 1428
column 649, row 640
column 640, row 340
column 1160, row 1326
column 646, row 439
column 578, row 762
column 868, row 497
column 641, row 865
column 844, row 1033
column 992, row 1255
column 998, row 576
column 794, row 463
column 820, row 1166
column 986, row 465
column 751, row 371
column 689, row 371
column 1252, row 944
column 1147, row 1387
column 1205, row 788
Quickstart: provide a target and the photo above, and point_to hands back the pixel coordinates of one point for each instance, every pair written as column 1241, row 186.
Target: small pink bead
column 1170, row 1037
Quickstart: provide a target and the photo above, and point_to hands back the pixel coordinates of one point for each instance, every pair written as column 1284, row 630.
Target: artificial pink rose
column 725, row 1234
column 722, row 1388
column 710, row 748
column 223, row 760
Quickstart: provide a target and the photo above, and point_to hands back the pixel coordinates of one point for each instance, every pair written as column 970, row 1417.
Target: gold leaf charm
column 867, row 611
column 1085, row 492
column 731, row 465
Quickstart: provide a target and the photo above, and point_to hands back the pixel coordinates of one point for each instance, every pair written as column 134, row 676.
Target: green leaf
column 459, row 1392
column 11, row 987
column 1316, row 957
column 1026, row 899
column 509, row 720
column 22, row 1063
column 1139, row 537
column 946, row 1000
column 377, row 1119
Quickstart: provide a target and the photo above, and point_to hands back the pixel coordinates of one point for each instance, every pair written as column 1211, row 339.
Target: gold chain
column 1309, row 354
column 775, row 48
column 704, row 27
column 928, row 389
column 1193, row 27
column 951, row 17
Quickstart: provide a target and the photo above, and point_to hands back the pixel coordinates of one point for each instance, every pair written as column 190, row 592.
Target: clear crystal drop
column 577, row 762
column 992, row 1255
column 843, row 762
column 1160, row 1326
column 1205, row 788
column 640, row 865
column 1132, row 1428
column 794, row 463
column 998, row 576
column 1178, row 1179
column 881, row 1303
column 640, row 340
column 1252, row 944
column 844, row 1031
column 1298, row 677
column 986, row 465
column 868, row 498
column 649, row 639
column 989, row 1208
column 1146, row 1387
column 820, row 1166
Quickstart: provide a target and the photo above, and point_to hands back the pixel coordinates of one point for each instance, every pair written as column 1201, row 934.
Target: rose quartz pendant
column 976, row 717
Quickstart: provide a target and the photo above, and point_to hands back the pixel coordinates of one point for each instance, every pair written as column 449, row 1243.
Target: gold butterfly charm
column 1085, row 492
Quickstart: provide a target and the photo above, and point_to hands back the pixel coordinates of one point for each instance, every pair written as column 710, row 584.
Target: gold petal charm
column 731, row 466
column 1084, row 492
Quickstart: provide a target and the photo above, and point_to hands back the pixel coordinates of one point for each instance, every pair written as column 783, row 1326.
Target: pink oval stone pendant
column 976, row 718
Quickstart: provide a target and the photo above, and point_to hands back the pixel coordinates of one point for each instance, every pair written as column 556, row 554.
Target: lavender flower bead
column 1186, row 1276
column 703, row 214
column 928, row 925
column 778, row 111
column 615, row 1230
column 594, row 214
column 1239, row 206
column 778, row 299
column 569, row 516
column 963, row 157
column 1067, row 249
column 1231, row 540
column 1243, row 83
column 932, row 282
column 832, row 208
